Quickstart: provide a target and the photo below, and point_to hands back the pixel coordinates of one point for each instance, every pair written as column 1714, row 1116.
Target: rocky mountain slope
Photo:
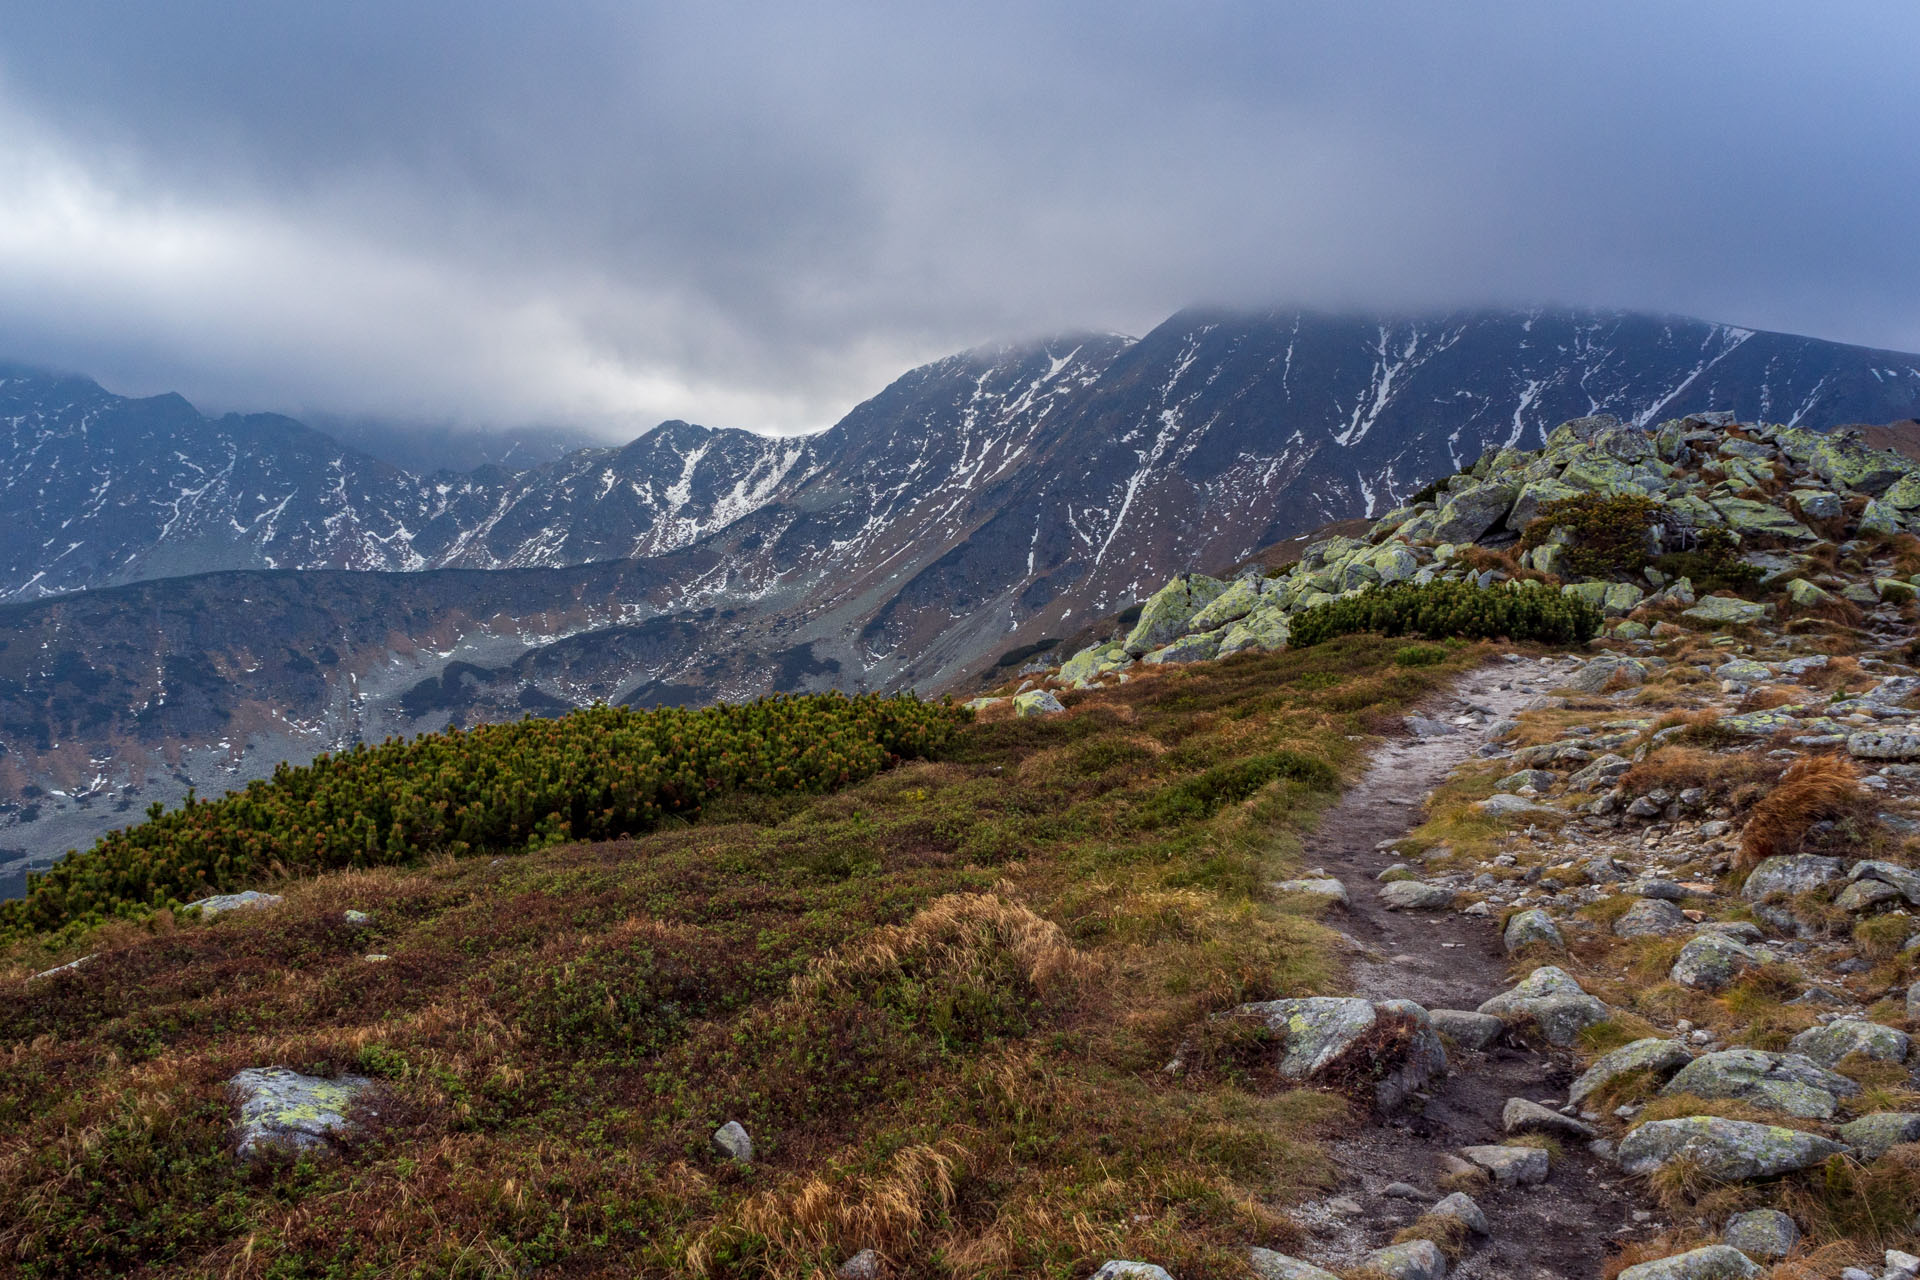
column 979, row 505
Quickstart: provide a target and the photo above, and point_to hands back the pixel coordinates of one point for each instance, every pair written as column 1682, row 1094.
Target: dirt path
column 1444, row 960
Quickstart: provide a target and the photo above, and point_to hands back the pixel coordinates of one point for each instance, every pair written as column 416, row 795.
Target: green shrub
column 1713, row 565
column 1420, row 655
column 1439, row 610
column 594, row 774
column 1609, row 532
column 1211, row 790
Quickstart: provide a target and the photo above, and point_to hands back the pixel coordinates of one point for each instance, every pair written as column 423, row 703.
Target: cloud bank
column 604, row 214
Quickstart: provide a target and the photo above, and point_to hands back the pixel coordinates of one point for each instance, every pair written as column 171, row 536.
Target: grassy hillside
column 939, row 1000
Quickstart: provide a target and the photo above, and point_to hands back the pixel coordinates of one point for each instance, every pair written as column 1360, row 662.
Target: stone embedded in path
column 1120, row 1270
column 1651, row 917
column 285, row 1113
column 1711, row 961
column 1467, row 1029
column 1829, row 1044
column 1415, row 895
column 1531, row 928
column 731, row 1140
column 1762, row 1234
column 220, row 904
column 1340, row 1039
column 1523, row 1116
column 1553, row 1001
column 1414, row 1260
column 1715, row 1262
column 1729, row 1150
column 1269, row 1265
column 1608, row 669
column 1461, row 1206
column 1874, row 1135
column 1510, row 1166
column 1659, row 1058
column 1328, row 888
column 1790, row 875
column 1788, row 1082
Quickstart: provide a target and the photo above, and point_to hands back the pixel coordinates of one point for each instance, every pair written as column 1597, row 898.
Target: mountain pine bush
column 594, row 774
column 1438, row 610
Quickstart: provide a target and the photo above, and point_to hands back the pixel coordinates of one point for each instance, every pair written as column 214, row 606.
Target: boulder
column 1341, row 1039
column 1661, row 1058
column 1265, row 629
column 1461, row 1206
column 1651, row 917
column 1714, row 1262
column 1726, row 611
column 1413, row 1260
column 1088, row 665
column 1743, row 671
column 1817, row 504
column 1522, row 1116
column 1903, row 879
column 1882, row 518
column 1762, row 1234
column 864, row 1265
column 1829, row 1044
column 1532, row 928
column 1506, row 806
column 1473, row 512
column 220, row 904
column 1165, row 615
column 1845, row 462
column 1750, row 518
column 1037, row 702
column 1538, row 779
column 1863, row 896
column 1467, row 1029
column 1119, row 1270
column 1553, row 1001
column 731, row 1140
column 1605, row 670
column 1269, row 1265
column 1884, row 744
column 1808, row 595
column 1790, row 875
column 1727, row 1150
column 1510, row 1166
column 1873, row 1135
column 285, row 1113
column 1319, row 888
column 1710, row 961
column 1789, row 1082
column 1415, row 895
column 1203, row 646
column 1231, row 605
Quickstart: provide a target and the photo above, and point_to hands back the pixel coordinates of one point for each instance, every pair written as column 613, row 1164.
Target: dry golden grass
column 1736, row 778
column 1451, row 1234
column 1813, row 788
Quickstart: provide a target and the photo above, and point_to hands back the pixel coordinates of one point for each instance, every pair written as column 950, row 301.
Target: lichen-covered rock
column 1531, row 928
column 1124, row 1270
column 1538, row 779
column 285, row 1113
column 1845, row 462
column 1167, row 611
column 1728, row 611
column 1817, row 504
column 1829, row 1044
column 1714, row 1262
column 1551, row 999
column 1473, row 512
column 1808, row 595
column 1873, row 1135
column 1088, row 665
column 1036, row 702
column 1789, row 1082
column 1202, row 646
column 1660, row 1058
column 1510, row 1166
column 1884, row 744
column 1790, row 875
column 1762, row 519
column 1415, row 895
column 1342, row 1039
column 220, row 904
column 1461, row 1206
column 1867, row 895
column 1761, row 1234
column 1882, row 518
column 1609, row 669
column 1651, row 917
column 1466, row 1028
column 1323, row 888
column 1231, row 605
column 1269, row 1265
column 1508, row 806
column 1413, row 1260
column 1710, row 961
column 1265, row 629
column 1523, row 1116
column 1742, row 671
column 731, row 1140
column 1729, row 1150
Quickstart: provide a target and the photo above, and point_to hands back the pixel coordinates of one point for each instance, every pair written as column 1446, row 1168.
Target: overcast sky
column 601, row 215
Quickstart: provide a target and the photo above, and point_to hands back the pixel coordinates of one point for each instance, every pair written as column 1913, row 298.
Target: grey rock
column 1829, row 1044
column 1875, row 1134
column 1269, row 1265
column 1471, row 512
column 1119, row 1270
column 1539, row 779
column 68, row 967
column 1414, row 1260
column 1665, row 890
column 286, row 1113
column 1326, row 888
column 1467, row 1029
column 1509, row 806
column 1605, row 670
column 1761, row 1234
column 1743, row 671
column 1726, row 611
column 731, row 1140
column 220, row 904
column 864, row 1265
column 1729, row 1150
column 1037, row 702
column 1710, row 961
column 1531, row 928
column 1522, row 1116
column 1789, row 1082
column 1461, row 1205
column 1602, row 771
column 1415, row 895
column 1510, row 1166
column 1319, row 1032
column 1651, row 917
column 1714, row 1262
column 1790, row 875
column 1863, row 896
column 357, row 919
column 1404, row 1191
column 1903, row 879
column 1166, row 613
column 1551, row 998
column 1661, row 1057
column 1884, row 744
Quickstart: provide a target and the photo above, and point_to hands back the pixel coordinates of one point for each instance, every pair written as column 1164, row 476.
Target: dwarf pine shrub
column 1439, row 610
column 1609, row 532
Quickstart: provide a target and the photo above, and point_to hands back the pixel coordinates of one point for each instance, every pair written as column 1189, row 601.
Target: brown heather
column 1813, row 788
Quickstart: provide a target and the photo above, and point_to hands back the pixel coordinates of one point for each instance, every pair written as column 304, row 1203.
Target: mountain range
column 193, row 599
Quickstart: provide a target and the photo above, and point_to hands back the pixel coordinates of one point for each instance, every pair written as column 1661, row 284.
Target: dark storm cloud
column 753, row 215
